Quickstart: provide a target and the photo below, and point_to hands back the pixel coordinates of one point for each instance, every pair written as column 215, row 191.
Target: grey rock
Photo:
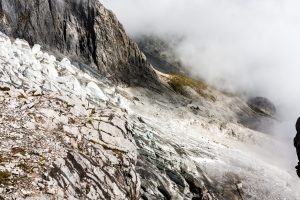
column 260, row 116
column 262, row 105
column 160, row 53
column 82, row 30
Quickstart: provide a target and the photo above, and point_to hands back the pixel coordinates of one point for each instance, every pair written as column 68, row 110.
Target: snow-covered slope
column 234, row 162
column 60, row 138
column 65, row 134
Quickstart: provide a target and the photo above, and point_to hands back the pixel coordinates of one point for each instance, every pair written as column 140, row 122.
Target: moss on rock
column 4, row 177
column 178, row 82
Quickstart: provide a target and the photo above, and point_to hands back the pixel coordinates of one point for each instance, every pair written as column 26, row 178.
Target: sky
column 246, row 46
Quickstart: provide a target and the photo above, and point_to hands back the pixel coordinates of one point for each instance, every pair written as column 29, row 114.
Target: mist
column 250, row 47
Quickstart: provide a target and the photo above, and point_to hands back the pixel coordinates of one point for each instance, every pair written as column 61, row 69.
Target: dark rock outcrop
column 297, row 145
column 160, row 53
column 262, row 105
column 259, row 115
column 83, row 30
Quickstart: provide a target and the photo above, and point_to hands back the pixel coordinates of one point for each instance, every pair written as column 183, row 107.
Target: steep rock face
column 160, row 53
column 262, row 117
column 82, row 30
column 262, row 105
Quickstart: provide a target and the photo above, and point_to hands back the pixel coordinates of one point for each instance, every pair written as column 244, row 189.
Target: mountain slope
column 59, row 138
column 84, row 31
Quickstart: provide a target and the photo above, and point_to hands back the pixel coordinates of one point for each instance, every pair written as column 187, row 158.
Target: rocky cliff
column 84, row 31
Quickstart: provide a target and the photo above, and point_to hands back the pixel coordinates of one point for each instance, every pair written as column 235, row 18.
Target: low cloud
column 252, row 47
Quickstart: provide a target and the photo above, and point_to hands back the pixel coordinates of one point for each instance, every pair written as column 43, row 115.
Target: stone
column 30, row 125
column 239, row 186
column 36, row 49
column 95, row 92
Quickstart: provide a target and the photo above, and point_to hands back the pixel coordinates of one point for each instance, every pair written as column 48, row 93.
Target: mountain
column 70, row 129
column 84, row 31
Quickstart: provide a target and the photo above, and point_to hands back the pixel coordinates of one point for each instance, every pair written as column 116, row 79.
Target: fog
column 251, row 47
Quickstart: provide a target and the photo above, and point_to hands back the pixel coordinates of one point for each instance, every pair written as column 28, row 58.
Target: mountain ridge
column 84, row 31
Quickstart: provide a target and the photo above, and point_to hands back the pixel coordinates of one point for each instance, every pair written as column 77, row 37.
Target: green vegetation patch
column 177, row 82
column 4, row 177
column 24, row 167
column 17, row 150
column 4, row 88
column 42, row 159
column 5, row 159
column 71, row 121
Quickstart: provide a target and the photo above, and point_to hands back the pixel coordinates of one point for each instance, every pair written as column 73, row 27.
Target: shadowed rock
column 160, row 53
column 260, row 115
column 262, row 105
